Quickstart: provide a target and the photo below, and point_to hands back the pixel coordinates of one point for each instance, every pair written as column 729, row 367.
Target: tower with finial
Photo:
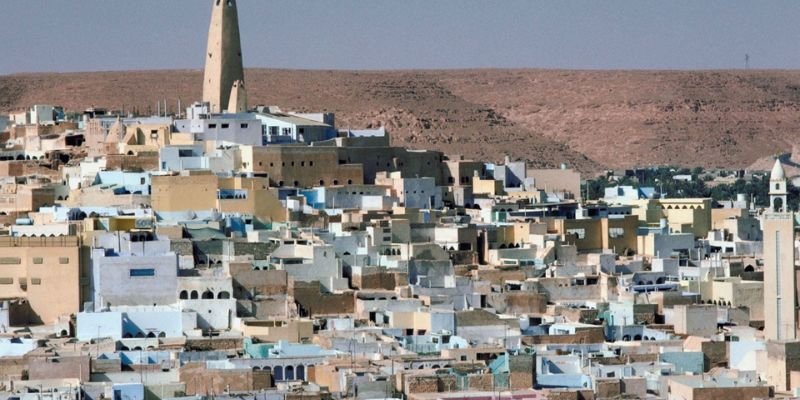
column 777, row 188
column 780, row 282
column 223, row 58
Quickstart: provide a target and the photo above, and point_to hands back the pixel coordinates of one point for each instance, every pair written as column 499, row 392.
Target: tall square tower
column 780, row 283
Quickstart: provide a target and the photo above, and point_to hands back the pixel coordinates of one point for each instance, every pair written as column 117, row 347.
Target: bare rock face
column 590, row 120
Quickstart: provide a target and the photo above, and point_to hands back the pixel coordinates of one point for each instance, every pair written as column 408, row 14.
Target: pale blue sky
column 96, row 35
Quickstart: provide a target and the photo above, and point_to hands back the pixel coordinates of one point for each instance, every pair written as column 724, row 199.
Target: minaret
column 780, row 286
column 223, row 57
column 238, row 100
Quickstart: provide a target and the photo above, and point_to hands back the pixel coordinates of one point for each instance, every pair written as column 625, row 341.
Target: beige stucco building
column 44, row 272
column 202, row 190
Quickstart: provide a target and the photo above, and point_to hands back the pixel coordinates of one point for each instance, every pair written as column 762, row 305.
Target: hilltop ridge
column 591, row 120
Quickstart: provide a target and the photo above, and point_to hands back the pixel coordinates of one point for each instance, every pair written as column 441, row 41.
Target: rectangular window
column 63, row 260
column 243, row 126
column 616, row 232
column 273, row 131
column 212, row 126
column 38, row 260
column 36, row 281
column 139, row 272
column 10, row 260
column 6, row 281
column 224, row 126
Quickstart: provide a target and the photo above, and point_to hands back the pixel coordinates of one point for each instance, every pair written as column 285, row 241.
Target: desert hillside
column 588, row 119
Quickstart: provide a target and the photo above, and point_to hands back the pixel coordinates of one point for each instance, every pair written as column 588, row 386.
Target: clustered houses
column 347, row 267
column 235, row 252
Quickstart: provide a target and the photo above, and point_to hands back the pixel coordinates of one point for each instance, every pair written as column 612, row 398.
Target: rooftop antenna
column 747, row 61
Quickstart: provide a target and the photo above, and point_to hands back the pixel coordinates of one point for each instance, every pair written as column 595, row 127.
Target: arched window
column 193, row 295
column 151, row 335
column 208, row 295
column 184, row 295
column 777, row 204
column 223, row 295
column 162, row 335
column 637, row 337
column 289, row 373
column 277, row 373
column 300, row 372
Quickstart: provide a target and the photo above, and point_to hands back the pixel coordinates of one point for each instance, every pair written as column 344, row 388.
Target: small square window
column 36, row 281
column 63, row 260
column 38, row 260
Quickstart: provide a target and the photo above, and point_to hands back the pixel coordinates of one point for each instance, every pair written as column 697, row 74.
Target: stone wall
column 60, row 368
column 715, row 354
column 140, row 162
column 589, row 335
column 380, row 280
column 199, row 380
column 522, row 371
column 12, row 367
column 313, row 302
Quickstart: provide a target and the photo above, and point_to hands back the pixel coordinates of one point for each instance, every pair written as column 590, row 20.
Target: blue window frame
column 142, row 272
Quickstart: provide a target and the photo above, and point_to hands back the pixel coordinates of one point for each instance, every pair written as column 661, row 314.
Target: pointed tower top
column 223, row 55
column 777, row 173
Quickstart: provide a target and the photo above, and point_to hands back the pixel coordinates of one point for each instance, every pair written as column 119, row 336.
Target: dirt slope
column 588, row 119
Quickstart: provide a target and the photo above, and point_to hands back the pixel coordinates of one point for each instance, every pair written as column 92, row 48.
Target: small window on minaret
column 777, row 186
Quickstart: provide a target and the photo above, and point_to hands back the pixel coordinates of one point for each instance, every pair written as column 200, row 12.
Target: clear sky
column 99, row 35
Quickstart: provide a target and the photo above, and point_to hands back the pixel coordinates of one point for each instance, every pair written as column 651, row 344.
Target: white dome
column 777, row 173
